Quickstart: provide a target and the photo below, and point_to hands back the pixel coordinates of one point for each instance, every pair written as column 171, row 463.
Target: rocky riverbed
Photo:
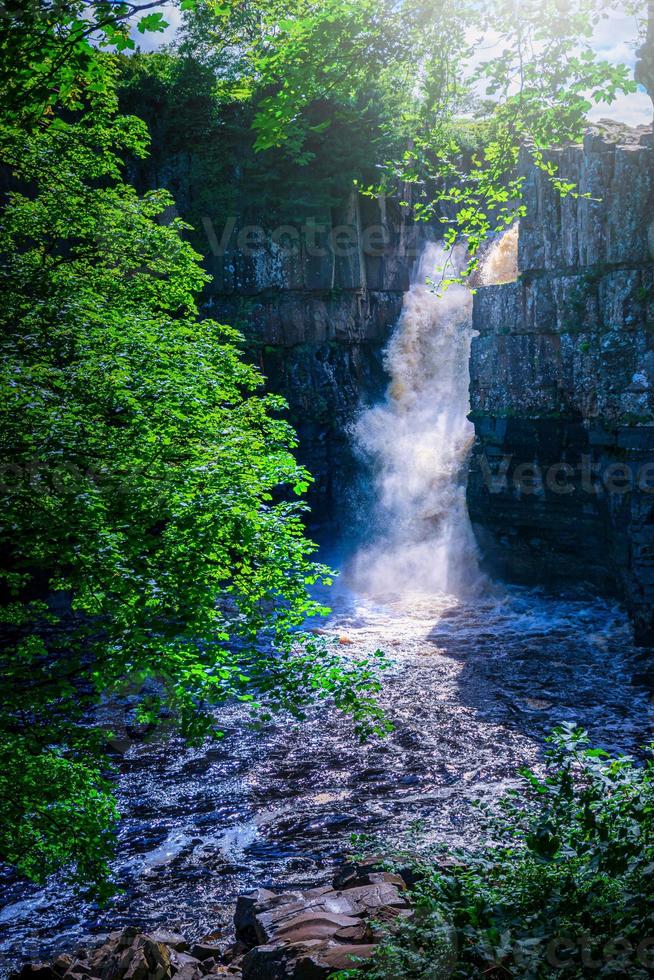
column 278, row 936
column 474, row 688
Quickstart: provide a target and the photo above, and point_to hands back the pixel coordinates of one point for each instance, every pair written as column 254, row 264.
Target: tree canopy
column 152, row 534
column 441, row 96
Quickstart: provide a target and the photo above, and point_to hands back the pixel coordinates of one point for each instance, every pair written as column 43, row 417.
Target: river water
column 480, row 673
column 474, row 688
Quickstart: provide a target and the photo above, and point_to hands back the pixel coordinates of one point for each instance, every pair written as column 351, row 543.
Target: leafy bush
column 565, row 881
column 152, row 533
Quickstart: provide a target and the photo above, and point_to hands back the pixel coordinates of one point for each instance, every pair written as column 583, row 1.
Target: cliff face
column 561, row 483
column 312, row 273
column 317, row 302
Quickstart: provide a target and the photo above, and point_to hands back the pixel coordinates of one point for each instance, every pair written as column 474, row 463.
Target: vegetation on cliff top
column 429, row 103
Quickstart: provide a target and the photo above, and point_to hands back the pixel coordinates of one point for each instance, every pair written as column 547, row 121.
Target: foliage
column 152, row 528
column 57, row 809
column 563, row 882
column 152, row 535
column 429, row 103
column 519, row 74
column 536, row 90
column 50, row 47
column 204, row 143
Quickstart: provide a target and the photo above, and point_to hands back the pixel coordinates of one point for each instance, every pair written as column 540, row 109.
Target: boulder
column 309, row 935
column 244, row 916
column 319, row 963
column 126, row 955
column 175, row 940
column 265, row 963
column 37, row 971
column 205, row 951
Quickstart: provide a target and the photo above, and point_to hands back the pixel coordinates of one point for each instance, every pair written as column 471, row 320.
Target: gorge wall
column 312, row 273
column 561, row 482
column 316, row 301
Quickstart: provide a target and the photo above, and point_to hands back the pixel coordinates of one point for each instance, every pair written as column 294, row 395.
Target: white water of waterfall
column 417, row 443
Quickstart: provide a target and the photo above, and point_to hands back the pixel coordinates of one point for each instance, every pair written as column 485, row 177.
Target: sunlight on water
column 500, row 264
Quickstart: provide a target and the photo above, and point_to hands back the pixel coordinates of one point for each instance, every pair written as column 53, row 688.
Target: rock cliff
column 561, row 482
column 317, row 301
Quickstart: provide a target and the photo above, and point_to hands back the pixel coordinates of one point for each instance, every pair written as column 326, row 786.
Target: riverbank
column 278, row 935
column 474, row 689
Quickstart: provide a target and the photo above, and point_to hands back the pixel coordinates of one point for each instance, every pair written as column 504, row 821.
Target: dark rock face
column 317, row 301
column 561, row 481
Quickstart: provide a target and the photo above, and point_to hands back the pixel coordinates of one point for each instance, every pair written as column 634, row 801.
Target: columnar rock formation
column 562, row 380
column 317, row 300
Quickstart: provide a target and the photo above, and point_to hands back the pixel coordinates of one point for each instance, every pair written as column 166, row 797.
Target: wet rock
column 181, row 961
column 205, row 951
column 234, row 953
column 313, row 925
column 372, row 871
column 561, row 380
column 244, row 917
column 126, row 955
column 37, row 971
column 308, row 935
column 322, row 961
column 303, row 935
column 265, row 963
column 190, row 971
column 131, row 955
column 175, row 940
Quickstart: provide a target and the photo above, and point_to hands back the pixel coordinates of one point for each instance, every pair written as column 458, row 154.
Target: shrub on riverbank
column 564, row 882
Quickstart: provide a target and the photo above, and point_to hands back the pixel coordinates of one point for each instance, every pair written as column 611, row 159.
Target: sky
column 615, row 40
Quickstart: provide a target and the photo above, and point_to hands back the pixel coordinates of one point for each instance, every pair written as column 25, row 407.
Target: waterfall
column 417, row 443
column 500, row 263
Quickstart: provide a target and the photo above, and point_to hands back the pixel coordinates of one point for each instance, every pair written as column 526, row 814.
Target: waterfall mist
column 417, row 442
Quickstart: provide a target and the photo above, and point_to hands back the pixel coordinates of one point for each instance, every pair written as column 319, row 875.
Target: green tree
column 151, row 522
column 458, row 88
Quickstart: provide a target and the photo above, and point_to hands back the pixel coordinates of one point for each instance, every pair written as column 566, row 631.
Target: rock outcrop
column 314, row 933
column 279, row 936
column 561, row 483
column 134, row 955
column 317, row 300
